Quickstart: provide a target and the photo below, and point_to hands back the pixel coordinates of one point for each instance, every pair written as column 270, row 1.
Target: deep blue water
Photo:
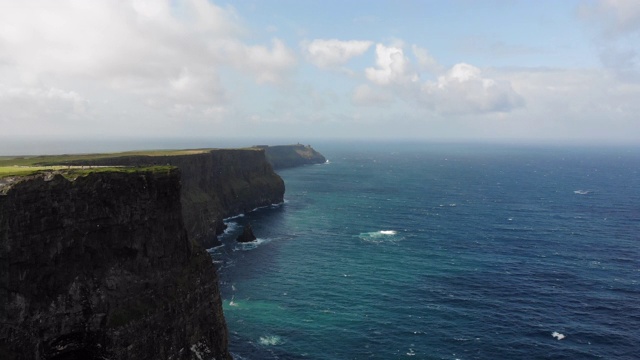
column 442, row 252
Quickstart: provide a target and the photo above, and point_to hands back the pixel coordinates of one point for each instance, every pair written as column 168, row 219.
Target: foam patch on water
column 251, row 244
column 581, row 192
column 270, row 340
column 231, row 227
column 233, row 217
column 557, row 335
column 380, row 236
column 215, row 248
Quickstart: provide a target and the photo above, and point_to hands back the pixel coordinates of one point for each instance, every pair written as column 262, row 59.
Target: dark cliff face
column 288, row 156
column 102, row 268
column 215, row 184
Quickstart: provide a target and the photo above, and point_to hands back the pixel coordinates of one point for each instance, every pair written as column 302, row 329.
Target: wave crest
column 380, row 236
column 270, row 340
column 245, row 246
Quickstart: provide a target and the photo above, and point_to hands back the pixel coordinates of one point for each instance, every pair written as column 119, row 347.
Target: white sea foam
column 380, row 236
column 251, row 244
column 581, row 192
column 233, row 217
column 231, row 226
column 557, row 335
column 260, row 208
column 270, row 340
column 213, row 249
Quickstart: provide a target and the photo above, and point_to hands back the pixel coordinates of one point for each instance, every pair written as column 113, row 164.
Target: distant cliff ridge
column 101, row 267
column 287, row 156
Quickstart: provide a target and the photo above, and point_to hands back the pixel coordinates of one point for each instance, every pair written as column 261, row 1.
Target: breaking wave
column 380, row 236
column 251, row 244
column 270, row 340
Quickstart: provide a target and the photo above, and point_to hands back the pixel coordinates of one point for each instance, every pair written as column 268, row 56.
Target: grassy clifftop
column 70, row 165
column 216, row 183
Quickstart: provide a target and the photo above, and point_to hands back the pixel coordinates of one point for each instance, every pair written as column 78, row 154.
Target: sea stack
column 247, row 235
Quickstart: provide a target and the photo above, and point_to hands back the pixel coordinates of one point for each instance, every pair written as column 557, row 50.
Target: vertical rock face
column 215, row 184
column 287, row 156
column 101, row 267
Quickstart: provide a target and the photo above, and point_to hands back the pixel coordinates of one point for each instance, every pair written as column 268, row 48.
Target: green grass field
column 29, row 165
column 72, row 172
column 62, row 159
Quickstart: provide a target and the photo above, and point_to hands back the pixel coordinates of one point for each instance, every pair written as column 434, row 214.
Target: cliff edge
column 288, row 156
column 101, row 267
column 216, row 184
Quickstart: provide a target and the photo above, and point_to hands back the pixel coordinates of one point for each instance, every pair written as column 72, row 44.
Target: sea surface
column 441, row 251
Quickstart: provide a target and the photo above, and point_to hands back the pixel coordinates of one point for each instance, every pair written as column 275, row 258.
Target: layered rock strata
column 215, row 184
column 101, row 267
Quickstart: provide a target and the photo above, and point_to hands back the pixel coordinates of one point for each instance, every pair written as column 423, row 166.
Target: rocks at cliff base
column 247, row 235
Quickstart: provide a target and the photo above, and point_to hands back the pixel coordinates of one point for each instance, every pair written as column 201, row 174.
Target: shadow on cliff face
column 101, row 267
column 76, row 346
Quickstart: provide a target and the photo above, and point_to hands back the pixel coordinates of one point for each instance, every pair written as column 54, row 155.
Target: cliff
column 100, row 267
column 288, row 156
column 215, row 184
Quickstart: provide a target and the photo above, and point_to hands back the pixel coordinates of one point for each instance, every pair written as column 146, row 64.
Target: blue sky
column 533, row 71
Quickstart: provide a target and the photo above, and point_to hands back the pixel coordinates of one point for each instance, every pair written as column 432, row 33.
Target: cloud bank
column 161, row 55
column 195, row 68
column 329, row 53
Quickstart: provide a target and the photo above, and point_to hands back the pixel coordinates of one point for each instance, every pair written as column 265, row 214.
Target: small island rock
column 247, row 235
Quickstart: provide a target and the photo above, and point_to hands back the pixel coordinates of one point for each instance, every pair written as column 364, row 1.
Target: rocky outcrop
column 101, row 267
column 215, row 184
column 287, row 156
column 247, row 235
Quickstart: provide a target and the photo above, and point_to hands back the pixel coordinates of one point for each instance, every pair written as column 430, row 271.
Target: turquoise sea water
column 442, row 252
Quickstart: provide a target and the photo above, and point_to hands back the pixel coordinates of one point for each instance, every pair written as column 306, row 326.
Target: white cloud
column 616, row 17
column 31, row 110
column 617, row 24
column 329, row 53
column 392, row 67
column 165, row 55
column 267, row 65
column 463, row 89
column 426, row 61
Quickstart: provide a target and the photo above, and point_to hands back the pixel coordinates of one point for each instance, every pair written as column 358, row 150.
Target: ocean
column 441, row 251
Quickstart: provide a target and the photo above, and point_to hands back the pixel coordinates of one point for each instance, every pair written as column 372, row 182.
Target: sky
column 456, row 70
